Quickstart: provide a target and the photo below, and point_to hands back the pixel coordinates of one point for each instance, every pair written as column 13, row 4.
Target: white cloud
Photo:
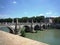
column 41, row 14
column 14, row 2
column 54, row 16
column 49, row 13
column 4, row 16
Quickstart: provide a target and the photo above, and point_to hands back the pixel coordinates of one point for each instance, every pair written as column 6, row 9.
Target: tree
column 8, row 20
column 2, row 20
column 24, row 19
column 57, row 20
column 34, row 19
column 40, row 18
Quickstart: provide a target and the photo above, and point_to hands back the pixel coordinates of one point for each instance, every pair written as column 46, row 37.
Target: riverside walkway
column 10, row 39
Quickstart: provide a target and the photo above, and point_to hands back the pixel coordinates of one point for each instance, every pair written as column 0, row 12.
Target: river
column 50, row 36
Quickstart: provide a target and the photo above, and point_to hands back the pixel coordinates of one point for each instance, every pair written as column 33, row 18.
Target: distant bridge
column 28, row 26
column 33, row 25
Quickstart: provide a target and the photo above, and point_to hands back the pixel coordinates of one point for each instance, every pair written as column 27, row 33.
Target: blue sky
column 29, row 8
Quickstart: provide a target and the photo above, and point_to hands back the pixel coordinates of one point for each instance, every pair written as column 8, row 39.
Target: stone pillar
column 17, row 21
column 40, row 25
column 32, row 28
column 16, row 24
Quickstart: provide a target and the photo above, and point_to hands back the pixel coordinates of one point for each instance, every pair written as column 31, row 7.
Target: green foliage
column 23, row 32
column 2, row 20
column 24, row 19
column 6, row 20
column 40, row 18
column 57, row 20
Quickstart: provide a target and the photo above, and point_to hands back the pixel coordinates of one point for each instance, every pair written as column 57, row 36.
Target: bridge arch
column 36, row 27
column 11, row 30
column 44, row 26
column 27, row 28
column 7, row 29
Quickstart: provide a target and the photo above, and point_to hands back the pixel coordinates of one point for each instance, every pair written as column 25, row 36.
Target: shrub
column 23, row 32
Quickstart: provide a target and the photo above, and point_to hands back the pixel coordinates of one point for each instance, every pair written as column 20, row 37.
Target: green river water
column 51, row 36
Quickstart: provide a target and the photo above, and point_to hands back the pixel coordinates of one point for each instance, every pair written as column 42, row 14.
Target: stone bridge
column 32, row 26
column 29, row 27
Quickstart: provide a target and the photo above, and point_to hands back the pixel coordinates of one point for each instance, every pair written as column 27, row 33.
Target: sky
column 29, row 8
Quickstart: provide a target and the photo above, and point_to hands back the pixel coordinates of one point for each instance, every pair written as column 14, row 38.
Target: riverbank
column 10, row 39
